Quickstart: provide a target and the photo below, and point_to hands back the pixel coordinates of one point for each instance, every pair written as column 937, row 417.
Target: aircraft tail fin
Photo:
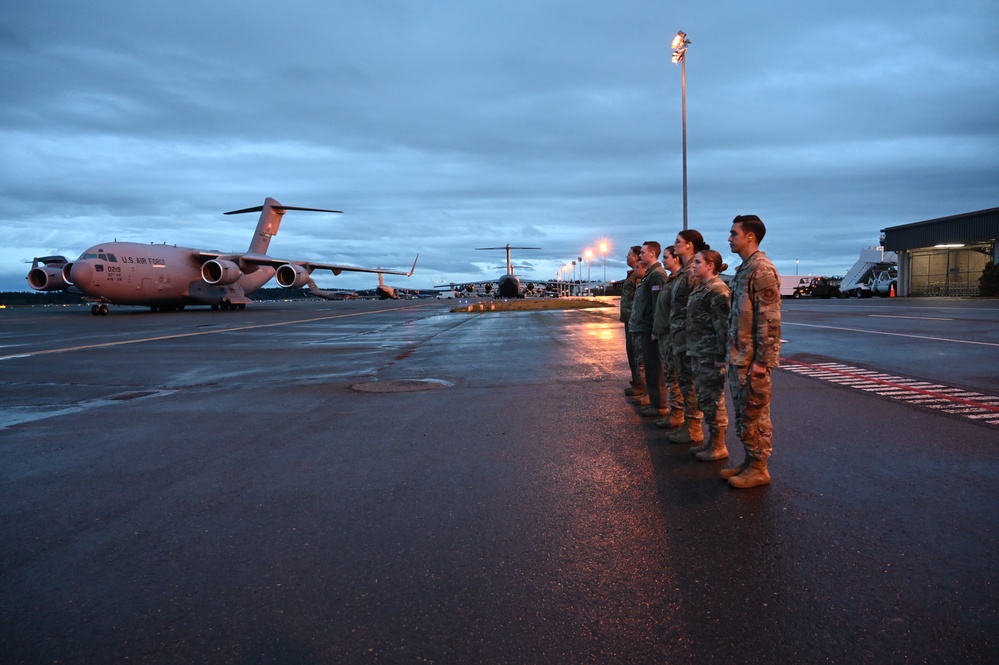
column 271, row 213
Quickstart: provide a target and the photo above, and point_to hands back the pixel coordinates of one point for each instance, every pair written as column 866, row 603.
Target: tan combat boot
column 754, row 475
column 672, row 421
column 695, row 450
column 715, row 449
column 690, row 434
column 735, row 470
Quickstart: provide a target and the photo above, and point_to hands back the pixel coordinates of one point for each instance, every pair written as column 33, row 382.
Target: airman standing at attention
column 707, row 345
column 753, row 349
column 687, row 244
column 627, row 299
column 660, row 330
column 642, row 318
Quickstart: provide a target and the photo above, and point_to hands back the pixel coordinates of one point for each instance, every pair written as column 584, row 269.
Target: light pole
column 589, row 257
column 679, row 45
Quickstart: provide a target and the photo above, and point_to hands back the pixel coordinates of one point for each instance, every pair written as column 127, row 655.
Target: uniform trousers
column 634, row 357
column 751, row 399
column 685, row 377
column 674, row 394
column 709, row 384
column 654, row 382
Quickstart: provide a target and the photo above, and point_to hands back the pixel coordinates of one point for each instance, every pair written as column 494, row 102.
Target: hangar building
column 945, row 256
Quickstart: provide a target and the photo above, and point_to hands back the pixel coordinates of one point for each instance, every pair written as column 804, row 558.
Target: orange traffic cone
column 891, row 290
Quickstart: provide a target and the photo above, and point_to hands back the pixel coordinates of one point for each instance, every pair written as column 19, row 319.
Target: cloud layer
column 440, row 127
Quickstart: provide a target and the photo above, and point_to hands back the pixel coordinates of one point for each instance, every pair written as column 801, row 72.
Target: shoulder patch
column 767, row 287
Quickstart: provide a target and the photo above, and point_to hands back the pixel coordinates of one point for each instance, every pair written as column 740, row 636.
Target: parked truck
column 885, row 283
column 820, row 287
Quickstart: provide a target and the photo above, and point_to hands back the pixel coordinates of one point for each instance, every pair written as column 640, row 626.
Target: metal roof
column 970, row 227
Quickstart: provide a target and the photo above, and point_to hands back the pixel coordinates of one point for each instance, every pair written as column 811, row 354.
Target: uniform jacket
column 707, row 320
column 754, row 324
column 682, row 286
column 646, row 296
column 628, row 295
column 660, row 324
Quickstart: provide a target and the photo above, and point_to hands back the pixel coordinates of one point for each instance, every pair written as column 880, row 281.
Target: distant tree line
column 25, row 298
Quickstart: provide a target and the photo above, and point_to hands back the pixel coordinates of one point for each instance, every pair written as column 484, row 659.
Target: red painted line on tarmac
column 901, row 386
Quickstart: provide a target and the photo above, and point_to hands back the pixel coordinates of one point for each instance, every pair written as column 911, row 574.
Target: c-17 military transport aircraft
column 167, row 277
column 508, row 285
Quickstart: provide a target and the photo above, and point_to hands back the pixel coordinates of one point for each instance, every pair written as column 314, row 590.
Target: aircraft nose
column 81, row 272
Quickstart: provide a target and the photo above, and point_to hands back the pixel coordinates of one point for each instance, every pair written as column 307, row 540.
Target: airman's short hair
column 752, row 224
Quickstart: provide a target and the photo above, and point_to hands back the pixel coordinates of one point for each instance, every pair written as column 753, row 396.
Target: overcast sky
column 446, row 125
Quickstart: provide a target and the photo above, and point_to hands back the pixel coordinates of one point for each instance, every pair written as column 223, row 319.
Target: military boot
column 705, row 445
column 715, row 448
column 735, row 470
column 672, row 421
column 754, row 475
column 690, row 434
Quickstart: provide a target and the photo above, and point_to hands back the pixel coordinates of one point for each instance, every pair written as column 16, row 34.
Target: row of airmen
column 686, row 331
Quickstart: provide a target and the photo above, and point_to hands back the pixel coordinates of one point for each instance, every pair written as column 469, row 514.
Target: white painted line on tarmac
column 141, row 340
column 892, row 334
column 924, row 318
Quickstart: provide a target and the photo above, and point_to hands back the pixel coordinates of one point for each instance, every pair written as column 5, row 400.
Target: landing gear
column 99, row 309
column 226, row 304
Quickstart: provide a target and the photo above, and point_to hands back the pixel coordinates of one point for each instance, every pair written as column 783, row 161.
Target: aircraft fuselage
column 509, row 287
column 129, row 273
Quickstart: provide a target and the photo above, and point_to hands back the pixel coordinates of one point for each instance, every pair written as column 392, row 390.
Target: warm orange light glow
column 589, row 254
column 679, row 46
column 603, row 248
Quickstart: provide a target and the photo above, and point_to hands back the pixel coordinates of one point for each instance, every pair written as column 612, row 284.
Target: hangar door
column 947, row 271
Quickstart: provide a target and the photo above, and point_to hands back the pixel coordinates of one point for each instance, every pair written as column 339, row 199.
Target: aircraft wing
column 336, row 269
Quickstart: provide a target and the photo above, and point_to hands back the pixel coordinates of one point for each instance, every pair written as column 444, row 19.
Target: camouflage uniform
column 642, row 319
column 754, row 336
column 707, row 343
column 682, row 286
column 627, row 300
column 660, row 328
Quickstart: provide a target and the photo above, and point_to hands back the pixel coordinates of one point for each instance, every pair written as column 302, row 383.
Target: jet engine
column 220, row 271
column 291, row 276
column 49, row 278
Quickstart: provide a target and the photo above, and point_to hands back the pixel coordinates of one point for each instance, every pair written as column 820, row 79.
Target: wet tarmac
column 392, row 482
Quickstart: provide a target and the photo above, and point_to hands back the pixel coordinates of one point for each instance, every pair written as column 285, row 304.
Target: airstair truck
column 872, row 262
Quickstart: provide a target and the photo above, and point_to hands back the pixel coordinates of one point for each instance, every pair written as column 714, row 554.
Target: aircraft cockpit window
column 112, row 258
